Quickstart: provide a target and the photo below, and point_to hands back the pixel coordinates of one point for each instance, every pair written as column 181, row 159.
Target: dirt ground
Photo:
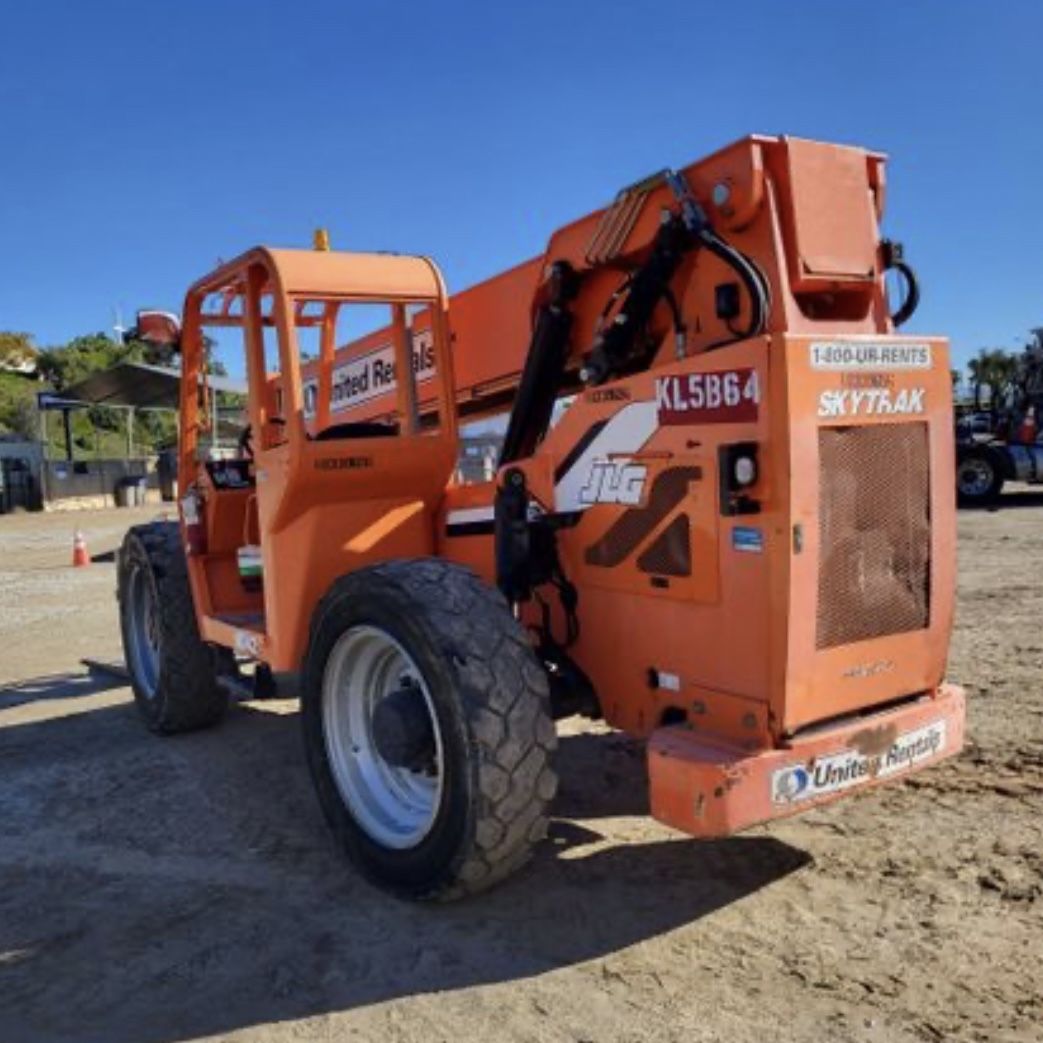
column 161, row 890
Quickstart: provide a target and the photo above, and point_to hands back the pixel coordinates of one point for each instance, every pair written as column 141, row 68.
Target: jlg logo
column 611, row 482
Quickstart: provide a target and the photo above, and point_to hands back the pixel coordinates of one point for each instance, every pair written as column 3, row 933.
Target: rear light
column 738, row 470
column 744, row 470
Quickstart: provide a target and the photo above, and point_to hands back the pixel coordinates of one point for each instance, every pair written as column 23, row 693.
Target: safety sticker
column 840, row 771
column 747, row 538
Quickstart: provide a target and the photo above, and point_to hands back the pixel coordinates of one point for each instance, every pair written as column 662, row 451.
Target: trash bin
column 126, row 492
column 166, row 468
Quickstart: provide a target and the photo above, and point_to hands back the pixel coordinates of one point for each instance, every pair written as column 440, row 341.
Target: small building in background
column 21, row 475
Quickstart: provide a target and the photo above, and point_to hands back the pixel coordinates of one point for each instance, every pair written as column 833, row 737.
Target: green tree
column 997, row 370
column 69, row 364
column 17, row 406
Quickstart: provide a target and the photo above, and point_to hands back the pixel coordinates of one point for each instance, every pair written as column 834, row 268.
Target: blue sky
column 143, row 141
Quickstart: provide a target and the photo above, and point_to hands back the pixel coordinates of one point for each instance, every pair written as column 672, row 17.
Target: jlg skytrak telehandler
column 722, row 517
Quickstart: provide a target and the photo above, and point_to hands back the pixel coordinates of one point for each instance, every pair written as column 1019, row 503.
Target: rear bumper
column 711, row 790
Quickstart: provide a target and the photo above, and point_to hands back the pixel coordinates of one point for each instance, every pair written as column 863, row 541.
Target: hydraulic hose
column 894, row 260
column 698, row 225
column 750, row 276
column 912, row 294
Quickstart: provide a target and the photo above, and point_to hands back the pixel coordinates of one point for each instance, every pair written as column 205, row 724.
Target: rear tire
column 979, row 479
column 172, row 671
column 472, row 814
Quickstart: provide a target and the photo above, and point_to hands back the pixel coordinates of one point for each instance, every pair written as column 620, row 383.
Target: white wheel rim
column 395, row 805
column 143, row 631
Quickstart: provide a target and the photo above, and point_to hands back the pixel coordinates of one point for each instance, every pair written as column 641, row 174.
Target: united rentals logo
column 371, row 375
column 840, row 771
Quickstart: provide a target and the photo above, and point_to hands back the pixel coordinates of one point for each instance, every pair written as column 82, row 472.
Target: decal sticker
column 370, row 376
column 636, row 524
column 623, row 433
column 343, row 463
column 841, row 355
column 470, row 515
column 840, row 771
column 871, row 402
column 611, row 481
column 470, row 521
column 247, row 643
column 481, row 521
column 607, row 395
column 748, row 538
column 879, row 666
column 727, row 396
column 858, row 380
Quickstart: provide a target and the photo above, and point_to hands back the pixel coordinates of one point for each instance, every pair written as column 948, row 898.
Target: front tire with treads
column 468, row 812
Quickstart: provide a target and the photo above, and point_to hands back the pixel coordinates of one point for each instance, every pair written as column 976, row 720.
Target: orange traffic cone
column 80, row 557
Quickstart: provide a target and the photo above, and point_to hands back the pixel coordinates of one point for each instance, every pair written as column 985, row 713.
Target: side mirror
column 161, row 328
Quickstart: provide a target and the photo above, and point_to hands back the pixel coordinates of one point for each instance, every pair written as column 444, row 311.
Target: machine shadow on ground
column 155, row 891
column 56, row 686
column 1009, row 500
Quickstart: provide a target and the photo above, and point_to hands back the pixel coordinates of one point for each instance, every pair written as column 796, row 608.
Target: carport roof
column 140, row 385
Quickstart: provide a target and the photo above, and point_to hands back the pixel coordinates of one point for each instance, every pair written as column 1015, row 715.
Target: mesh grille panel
column 874, row 532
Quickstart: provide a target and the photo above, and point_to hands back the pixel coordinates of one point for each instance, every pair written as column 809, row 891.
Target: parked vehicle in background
column 1003, row 445
column 984, row 465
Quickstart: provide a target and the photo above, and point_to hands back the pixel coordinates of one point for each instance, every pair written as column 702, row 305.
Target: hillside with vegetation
column 98, row 431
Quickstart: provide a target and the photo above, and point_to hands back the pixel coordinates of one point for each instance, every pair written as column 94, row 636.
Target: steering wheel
column 245, row 442
column 246, row 437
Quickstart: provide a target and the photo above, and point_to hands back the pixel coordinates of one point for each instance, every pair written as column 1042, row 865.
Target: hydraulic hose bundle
column 647, row 286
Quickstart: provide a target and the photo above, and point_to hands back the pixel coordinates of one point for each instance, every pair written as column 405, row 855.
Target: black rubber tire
column 978, row 457
column 186, row 694
column 491, row 699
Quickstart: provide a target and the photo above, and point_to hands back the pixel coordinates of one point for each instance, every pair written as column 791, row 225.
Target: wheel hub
column 975, row 477
column 402, row 731
column 382, row 737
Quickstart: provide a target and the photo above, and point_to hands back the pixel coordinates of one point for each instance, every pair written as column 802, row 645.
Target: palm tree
column 995, row 369
column 978, row 368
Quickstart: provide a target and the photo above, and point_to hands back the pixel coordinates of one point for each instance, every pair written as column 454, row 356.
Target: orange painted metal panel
column 710, row 789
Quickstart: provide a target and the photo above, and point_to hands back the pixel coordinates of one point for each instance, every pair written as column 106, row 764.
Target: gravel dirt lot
column 160, row 890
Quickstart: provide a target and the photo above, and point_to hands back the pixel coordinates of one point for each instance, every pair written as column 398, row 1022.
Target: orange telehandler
column 722, row 518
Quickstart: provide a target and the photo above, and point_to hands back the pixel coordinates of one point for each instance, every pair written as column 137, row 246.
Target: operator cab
column 255, row 469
